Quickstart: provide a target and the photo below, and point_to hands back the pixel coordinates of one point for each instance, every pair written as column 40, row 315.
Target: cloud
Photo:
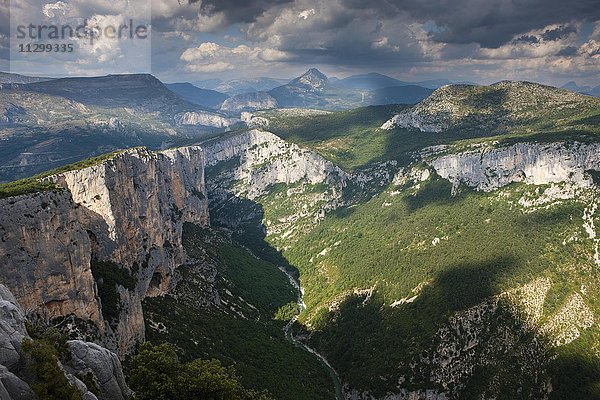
column 489, row 23
column 329, row 33
column 211, row 57
column 467, row 39
column 218, row 66
column 236, row 11
column 4, row 17
column 97, row 51
column 270, row 55
column 547, row 41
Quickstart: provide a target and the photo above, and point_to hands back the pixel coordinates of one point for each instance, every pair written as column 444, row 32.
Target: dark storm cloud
column 569, row 51
column 490, row 23
column 4, row 18
column 528, row 39
column 559, row 33
column 235, row 10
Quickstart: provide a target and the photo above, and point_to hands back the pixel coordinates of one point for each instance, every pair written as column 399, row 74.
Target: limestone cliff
column 45, row 254
column 250, row 169
column 264, row 159
column 128, row 210
column 205, row 119
column 533, row 163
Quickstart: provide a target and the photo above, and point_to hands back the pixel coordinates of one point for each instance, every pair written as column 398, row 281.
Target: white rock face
column 249, row 102
column 205, row 119
column 129, row 210
column 415, row 120
column 254, row 122
column 277, row 162
column 532, row 163
column 431, row 115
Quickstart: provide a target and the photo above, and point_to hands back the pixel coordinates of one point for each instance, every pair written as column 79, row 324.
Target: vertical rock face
column 12, row 329
column 245, row 169
column 531, row 163
column 45, row 254
column 128, row 210
column 144, row 198
column 12, row 333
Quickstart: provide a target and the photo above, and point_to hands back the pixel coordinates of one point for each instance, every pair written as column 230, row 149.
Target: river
column 296, row 342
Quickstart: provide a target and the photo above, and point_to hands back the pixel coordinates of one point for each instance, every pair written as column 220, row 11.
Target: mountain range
column 50, row 123
column 572, row 86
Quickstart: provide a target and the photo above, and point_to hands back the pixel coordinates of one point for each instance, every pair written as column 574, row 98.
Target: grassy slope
column 349, row 139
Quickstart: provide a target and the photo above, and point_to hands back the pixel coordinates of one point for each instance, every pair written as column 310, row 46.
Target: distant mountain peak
column 573, row 86
column 315, row 72
column 312, row 78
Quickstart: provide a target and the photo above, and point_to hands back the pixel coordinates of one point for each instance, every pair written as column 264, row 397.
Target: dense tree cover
column 108, row 277
column 156, row 373
column 389, row 243
column 246, row 330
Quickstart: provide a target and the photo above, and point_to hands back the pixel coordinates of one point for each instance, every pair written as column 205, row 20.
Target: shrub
column 51, row 382
column 157, row 374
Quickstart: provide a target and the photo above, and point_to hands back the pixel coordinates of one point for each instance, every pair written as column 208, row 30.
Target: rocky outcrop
column 12, row 333
column 254, row 122
column 11, row 113
column 128, row 210
column 533, row 163
column 103, row 364
column 14, row 388
column 205, row 119
column 433, row 114
column 249, row 102
column 12, row 329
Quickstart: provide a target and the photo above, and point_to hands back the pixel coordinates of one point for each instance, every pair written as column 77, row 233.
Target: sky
column 549, row 41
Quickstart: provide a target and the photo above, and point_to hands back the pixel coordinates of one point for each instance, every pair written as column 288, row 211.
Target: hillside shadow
column 575, row 376
column 370, row 339
column 436, row 191
column 243, row 217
